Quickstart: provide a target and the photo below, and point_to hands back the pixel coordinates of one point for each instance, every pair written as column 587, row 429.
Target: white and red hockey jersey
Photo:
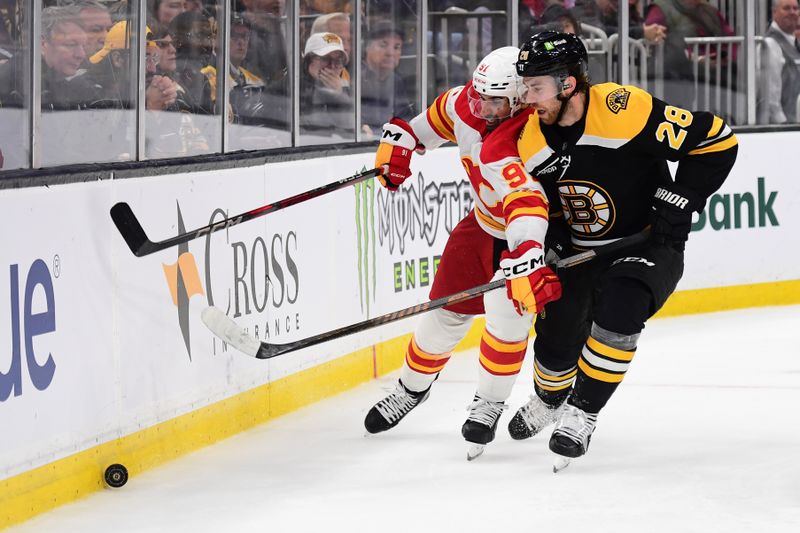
column 509, row 203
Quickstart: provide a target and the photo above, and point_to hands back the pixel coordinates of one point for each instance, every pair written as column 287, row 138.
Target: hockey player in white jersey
column 502, row 236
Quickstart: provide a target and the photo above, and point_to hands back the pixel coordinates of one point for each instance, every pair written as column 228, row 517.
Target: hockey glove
column 671, row 216
column 398, row 142
column 530, row 284
column 558, row 242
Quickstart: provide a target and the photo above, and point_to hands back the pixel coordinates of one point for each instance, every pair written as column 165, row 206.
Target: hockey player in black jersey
column 601, row 153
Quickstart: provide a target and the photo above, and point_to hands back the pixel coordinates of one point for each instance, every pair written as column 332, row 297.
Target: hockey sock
column 500, row 362
column 601, row 367
column 421, row 368
column 552, row 386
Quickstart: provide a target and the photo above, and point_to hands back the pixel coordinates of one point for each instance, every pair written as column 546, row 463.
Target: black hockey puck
column 116, row 476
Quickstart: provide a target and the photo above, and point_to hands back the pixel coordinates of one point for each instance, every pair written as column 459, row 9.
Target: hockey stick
column 229, row 331
column 134, row 235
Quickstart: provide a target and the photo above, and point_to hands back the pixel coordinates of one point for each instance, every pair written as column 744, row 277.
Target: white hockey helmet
column 495, row 76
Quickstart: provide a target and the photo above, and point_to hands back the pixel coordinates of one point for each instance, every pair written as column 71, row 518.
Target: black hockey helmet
column 553, row 53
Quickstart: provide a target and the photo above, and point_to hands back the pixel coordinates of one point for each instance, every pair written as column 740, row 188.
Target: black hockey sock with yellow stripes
column 551, row 386
column 601, row 367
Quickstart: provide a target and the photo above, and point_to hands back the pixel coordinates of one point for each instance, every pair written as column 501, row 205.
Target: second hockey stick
column 229, row 331
column 137, row 240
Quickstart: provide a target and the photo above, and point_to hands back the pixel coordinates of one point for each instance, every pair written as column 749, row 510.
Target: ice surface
column 703, row 436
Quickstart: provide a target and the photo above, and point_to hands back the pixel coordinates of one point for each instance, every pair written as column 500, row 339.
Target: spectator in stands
column 338, row 23
column 163, row 11
column 780, row 66
column 173, row 131
column 247, row 101
column 684, row 18
column 194, row 44
column 797, row 30
column 326, row 104
column 267, row 56
column 168, row 67
column 110, row 69
column 321, row 7
column 161, row 92
column 604, row 14
column 555, row 18
column 63, row 54
column 195, row 6
column 383, row 93
column 5, row 38
column 96, row 21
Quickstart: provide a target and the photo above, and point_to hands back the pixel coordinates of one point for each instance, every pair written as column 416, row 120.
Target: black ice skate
column 388, row 412
column 533, row 417
column 481, row 424
column 570, row 438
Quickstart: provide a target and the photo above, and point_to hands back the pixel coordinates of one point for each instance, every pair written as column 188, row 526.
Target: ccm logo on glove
column 530, row 284
column 520, row 269
column 398, row 143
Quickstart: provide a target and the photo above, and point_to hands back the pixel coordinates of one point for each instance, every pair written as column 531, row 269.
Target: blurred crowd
column 86, row 60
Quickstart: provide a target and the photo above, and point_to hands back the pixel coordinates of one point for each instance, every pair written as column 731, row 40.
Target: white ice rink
column 702, row 436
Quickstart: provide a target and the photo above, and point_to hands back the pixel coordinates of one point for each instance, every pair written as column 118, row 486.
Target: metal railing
column 715, row 79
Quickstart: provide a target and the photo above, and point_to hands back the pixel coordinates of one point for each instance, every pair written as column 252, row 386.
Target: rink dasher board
column 102, row 346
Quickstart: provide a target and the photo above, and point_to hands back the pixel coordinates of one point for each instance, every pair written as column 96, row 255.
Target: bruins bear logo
column 618, row 99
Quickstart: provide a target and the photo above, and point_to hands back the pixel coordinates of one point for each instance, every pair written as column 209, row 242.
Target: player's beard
column 548, row 113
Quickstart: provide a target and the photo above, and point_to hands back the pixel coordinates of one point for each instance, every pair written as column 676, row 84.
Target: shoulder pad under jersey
column 616, row 114
column 502, row 142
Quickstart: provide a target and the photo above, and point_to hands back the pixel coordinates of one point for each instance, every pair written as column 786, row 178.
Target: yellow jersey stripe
column 716, row 126
column 516, row 195
column 438, row 125
column 526, row 211
column 486, row 219
column 443, row 111
column 721, row 146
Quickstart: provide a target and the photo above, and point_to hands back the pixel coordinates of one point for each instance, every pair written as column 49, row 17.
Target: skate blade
column 475, row 451
column 560, row 463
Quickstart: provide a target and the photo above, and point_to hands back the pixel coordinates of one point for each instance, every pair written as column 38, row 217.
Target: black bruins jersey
column 605, row 169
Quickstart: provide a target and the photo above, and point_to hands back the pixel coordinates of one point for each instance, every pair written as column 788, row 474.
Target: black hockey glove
column 558, row 241
column 671, row 216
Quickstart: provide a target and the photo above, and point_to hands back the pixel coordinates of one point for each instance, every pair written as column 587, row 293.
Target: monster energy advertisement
column 401, row 236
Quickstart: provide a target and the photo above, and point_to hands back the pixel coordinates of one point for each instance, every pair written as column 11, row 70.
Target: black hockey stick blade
column 229, row 331
column 130, row 229
column 137, row 240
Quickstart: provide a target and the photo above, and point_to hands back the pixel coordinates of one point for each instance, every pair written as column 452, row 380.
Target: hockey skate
column 388, row 412
column 533, row 417
column 481, row 424
column 570, row 438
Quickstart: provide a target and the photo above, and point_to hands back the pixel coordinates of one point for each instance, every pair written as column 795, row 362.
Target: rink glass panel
column 15, row 80
column 46, row 124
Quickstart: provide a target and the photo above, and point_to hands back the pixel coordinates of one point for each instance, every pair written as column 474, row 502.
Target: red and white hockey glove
column 398, row 142
column 530, row 283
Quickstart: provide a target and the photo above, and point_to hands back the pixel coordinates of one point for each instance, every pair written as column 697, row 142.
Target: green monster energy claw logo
column 365, row 238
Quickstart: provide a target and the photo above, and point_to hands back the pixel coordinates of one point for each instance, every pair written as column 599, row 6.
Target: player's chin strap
column 565, row 100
